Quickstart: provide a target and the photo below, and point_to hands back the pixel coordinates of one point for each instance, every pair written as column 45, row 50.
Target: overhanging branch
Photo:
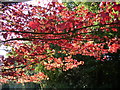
column 67, row 38
column 3, row 70
column 61, row 33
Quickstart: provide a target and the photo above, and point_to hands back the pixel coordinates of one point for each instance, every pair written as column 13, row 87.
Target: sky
column 42, row 2
column 2, row 52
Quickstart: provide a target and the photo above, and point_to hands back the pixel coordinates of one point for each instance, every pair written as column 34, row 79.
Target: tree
column 49, row 38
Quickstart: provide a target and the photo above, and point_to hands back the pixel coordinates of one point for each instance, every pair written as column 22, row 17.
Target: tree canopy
column 47, row 38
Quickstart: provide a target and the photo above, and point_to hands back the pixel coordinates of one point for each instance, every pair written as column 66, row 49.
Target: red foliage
column 116, row 7
column 75, row 32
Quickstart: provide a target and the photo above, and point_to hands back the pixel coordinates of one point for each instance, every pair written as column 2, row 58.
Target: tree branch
column 93, row 26
column 33, row 32
column 3, row 70
column 68, row 38
column 60, row 33
column 30, row 39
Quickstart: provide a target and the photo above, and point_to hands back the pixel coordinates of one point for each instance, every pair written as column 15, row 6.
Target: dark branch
column 30, row 39
column 3, row 70
column 67, row 38
column 61, row 33
column 93, row 26
column 33, row 32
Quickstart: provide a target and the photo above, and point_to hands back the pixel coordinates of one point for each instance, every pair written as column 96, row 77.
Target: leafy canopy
column 44, row 39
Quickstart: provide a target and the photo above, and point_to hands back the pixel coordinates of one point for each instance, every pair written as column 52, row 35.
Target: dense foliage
column 45, row 41
column 93, row 74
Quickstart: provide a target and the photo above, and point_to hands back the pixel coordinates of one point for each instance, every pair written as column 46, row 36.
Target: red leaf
column 116, row 7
